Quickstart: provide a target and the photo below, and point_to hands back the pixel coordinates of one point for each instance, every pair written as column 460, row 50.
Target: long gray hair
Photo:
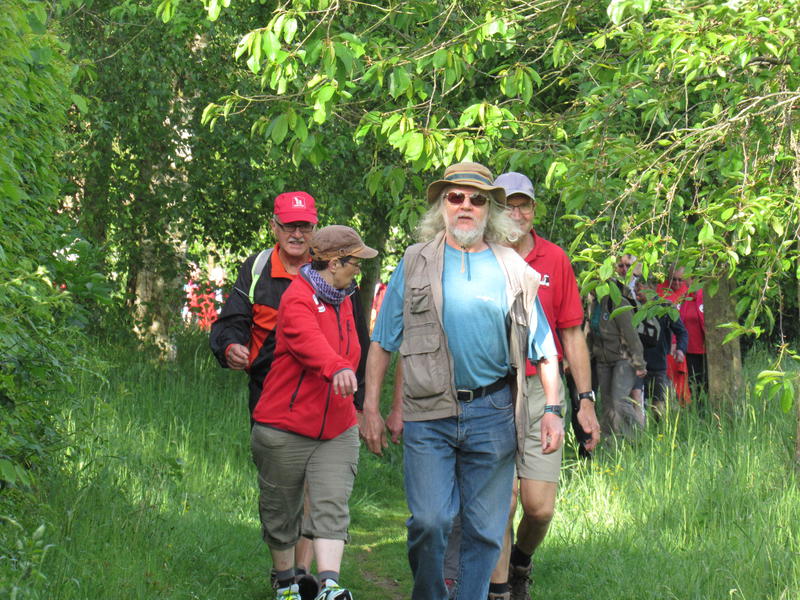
column 500, row 227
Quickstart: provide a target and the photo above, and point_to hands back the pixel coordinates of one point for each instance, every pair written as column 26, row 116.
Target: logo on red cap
column 298, row 202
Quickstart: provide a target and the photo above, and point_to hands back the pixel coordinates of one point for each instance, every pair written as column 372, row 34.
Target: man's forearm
column 551, row 379
column 377, row 364
column 397, row 397
column 577, row 354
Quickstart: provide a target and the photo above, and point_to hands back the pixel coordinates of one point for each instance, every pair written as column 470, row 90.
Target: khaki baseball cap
column 337, row 241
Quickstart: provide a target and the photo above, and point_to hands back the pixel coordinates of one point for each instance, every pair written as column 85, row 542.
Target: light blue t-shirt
column 474, row 318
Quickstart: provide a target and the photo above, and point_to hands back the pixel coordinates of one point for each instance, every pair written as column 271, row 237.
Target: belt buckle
column 470, row 395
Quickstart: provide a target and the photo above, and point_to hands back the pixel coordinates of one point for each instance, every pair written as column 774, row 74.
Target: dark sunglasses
column 457, row 198
column 303, row 226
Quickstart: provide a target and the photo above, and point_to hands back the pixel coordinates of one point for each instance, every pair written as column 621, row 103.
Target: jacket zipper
column 347, row 352
column 325, row 414
column 330, row 386
column 296, row 390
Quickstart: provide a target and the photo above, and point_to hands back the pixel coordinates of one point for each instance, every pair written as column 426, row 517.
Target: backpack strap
column 255, row 273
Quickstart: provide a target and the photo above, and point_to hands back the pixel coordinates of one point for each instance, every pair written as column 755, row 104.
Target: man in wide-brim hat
column 446, row 311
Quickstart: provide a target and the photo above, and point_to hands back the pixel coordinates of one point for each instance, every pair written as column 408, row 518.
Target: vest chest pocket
column 425, row 364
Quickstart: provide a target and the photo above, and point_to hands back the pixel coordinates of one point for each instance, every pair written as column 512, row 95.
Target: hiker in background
column 674, row 289
column 619, row 358
column 627, row 268
column 657, row 384
column 693, row 316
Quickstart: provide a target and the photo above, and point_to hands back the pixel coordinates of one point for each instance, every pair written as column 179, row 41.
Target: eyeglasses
column 524, row 207
column 345, row 260
column 457, row 198
column 302, row 226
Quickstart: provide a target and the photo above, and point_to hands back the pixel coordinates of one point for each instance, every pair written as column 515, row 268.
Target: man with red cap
column 243, row 337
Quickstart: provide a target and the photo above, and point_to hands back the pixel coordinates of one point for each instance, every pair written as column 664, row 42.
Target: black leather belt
column 470, row 395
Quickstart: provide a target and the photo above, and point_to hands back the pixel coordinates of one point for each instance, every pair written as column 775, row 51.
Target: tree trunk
column 155, row 294
column 724, row 360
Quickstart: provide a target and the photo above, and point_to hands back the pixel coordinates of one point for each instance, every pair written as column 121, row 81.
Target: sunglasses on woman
column 458, row 198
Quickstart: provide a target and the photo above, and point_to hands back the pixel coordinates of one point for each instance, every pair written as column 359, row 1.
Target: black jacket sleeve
column 236, row 317
column 363, row 340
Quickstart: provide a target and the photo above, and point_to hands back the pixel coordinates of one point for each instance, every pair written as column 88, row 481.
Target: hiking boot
column 503, row 596
column 519, row 580
column 308, row 586
column 288, row 593
column 333, row 591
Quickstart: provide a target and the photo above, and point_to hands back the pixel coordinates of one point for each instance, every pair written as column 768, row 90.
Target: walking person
column 243, row 336
column 462, row 311
column 305, row 434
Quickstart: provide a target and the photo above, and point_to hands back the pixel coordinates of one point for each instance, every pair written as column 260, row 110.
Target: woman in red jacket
column 305, row 434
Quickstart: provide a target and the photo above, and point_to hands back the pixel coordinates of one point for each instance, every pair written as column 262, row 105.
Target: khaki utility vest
column 429, row 390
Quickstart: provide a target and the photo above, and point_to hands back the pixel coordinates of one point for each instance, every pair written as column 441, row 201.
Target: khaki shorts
column 287, row 463
column 537, row 466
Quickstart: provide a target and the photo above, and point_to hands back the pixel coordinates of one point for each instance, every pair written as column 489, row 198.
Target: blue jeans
column 466, row 464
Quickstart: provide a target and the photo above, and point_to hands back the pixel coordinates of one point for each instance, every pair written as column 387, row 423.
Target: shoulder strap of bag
column 258, row 268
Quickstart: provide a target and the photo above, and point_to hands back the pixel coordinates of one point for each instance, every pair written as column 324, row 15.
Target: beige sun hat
column 468, row 174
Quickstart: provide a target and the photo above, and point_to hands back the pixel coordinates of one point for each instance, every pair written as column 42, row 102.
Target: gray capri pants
column 286, row 463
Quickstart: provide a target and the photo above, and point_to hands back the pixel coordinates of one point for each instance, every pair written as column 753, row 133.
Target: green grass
column 158, row 500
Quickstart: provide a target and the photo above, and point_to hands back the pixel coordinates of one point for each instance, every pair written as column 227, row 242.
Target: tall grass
column 158, row 500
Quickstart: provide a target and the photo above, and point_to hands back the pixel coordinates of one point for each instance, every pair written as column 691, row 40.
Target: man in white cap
column 538, row 474
column 461, row 309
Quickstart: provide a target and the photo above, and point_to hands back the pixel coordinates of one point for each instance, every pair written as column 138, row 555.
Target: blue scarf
column 324, row 290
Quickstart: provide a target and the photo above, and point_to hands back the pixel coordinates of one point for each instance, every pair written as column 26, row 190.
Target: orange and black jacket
column 253, row 324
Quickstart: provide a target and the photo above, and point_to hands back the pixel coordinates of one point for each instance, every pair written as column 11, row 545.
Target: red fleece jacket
column 314, row 341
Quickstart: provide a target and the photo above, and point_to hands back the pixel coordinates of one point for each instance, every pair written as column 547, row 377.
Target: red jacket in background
column 693, row 317
column 314, row 341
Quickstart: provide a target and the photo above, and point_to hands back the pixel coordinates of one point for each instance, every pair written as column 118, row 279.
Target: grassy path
column 159, row 501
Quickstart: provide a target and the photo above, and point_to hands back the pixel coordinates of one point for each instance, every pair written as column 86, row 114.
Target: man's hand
column 237, row 356
column 345, row 383
column 679, row 356
column 394, row 422
column 373, row 431
column 641, row 372
column 587, row 418
column 552, row 433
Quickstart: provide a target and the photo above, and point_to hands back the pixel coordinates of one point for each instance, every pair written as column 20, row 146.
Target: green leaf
column 213, row 10
column 414, row 145
column 440, row 58
column 280, row 126
column 289, row 29
column 555, row 171
column 344, row 55
column 787, row 397
column 80, row 102
column 623, row 308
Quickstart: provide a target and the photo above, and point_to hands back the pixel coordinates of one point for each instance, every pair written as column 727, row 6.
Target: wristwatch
column 587, row 395
column 553, row 408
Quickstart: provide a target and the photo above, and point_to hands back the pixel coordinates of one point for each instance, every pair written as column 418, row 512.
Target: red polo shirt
column 558, row 291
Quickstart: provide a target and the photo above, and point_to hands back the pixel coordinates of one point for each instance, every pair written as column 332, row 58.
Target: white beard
column 467, row 239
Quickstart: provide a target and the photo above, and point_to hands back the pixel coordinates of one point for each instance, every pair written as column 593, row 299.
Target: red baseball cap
column 295, row 206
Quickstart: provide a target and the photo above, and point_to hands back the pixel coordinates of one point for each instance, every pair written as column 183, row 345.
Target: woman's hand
column 344, row 382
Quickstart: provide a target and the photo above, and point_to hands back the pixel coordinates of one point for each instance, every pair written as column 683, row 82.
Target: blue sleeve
column 681, row 334
column 388, row 330
column 541, row 344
